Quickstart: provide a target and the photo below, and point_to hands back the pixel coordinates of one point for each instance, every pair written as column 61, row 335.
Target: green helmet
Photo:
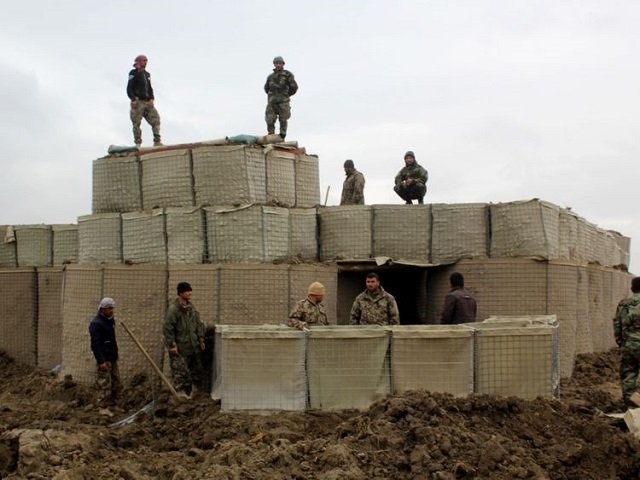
column 278, row 59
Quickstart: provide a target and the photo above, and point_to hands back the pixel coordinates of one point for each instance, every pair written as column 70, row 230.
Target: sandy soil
column 51, row 429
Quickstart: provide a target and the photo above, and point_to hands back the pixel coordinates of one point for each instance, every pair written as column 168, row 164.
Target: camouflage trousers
column 413, row 191
column 629, row 369
column 277, row 108
column 186, row 371
column 108, row 384
column 143, row 109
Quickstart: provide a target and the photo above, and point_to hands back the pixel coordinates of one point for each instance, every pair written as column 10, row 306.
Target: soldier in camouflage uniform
column 310, row 311
column 374, row 306
column 626, row 326
column 104, row 346
column 140, row 92
column 411, row 181
column 353, row 186
column 279, row 87
column 184, row 339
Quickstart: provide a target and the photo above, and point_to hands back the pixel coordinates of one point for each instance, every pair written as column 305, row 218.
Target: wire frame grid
column 525, row 229
column 18, row 315
column 144, row 237
column 251, row 234
column 401, row 232
column 140, row 293
column 34, row 245
column 261, row 370
column 229, row 175
column 458, row 231
column 116, row 184
column 8, row 252
column 82, row 292
column 100, row 238
column 281, row 186
column 186, row 239
column 568, row 245
column 49, row 326
column 516, row 361
column 253, row 294
column 65, row 244
column 303, row 240
column 345, row 232
column 167, row 180
column 563, row 298
column 347, row 367
column 307, row 174
column 433, row 358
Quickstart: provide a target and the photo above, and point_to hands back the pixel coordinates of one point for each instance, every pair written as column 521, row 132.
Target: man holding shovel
column 184, row 339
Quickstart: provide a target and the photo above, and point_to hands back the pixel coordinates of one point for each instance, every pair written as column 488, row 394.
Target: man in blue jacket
column 104, row 346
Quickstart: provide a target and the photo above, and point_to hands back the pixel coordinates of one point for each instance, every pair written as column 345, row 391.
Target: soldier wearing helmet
column 279, row 87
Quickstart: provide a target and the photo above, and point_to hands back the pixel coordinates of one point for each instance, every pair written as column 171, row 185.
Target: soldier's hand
column 151, row 102
column 134, row 103
column 302, row 326
column 173, row 351
column 104, row 367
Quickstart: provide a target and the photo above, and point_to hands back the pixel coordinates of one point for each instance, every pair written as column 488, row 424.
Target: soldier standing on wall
column 280, row 86
column 353, row 186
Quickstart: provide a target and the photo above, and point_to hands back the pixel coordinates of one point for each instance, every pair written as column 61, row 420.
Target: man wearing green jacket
column 411, row 181
column 184, row 339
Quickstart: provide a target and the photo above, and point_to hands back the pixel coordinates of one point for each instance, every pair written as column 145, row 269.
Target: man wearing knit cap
column 184, row 339
column 374, row 306
column 411, row 181
column 353, row 185
column 104, row 346
column 280, row 86
column 310, row 311
column 140, row 92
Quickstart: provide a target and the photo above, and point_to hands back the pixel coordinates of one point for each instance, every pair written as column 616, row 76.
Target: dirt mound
column 51, row 428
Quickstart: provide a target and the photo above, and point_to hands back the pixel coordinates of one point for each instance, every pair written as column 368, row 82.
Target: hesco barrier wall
column 520, row 361
column 260, row 368
column 303, row 239
column 459, row 231
column 345, row 232
column 583, row 298
column 140, row 295
column 8, row 252
column 186, row 240
column 438, row 358
column 247, row 234
column 34, row 245
column 49, row 326
column 143, row 237
column 18, row 307
column 100, row 238
column 65, row 244
column 263, row 368
column 402, row 233
column 347, row 367
column 206, row 175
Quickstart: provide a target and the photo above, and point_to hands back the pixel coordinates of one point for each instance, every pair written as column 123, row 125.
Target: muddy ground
column 51, row 429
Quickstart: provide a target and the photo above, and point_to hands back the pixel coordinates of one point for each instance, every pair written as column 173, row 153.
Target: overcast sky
column 501, row 100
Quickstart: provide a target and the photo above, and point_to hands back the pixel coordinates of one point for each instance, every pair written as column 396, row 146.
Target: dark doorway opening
column 408, row 284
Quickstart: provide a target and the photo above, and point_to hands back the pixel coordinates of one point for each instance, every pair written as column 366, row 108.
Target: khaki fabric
column 347, row 367
column 281, row 185
column 345, row 232
column 435, row 358
column 116, row 184
column 144, row 237
column 8, row 252
column 17, row 313
column 186, row 237
column 303, row 238
column 459, row 231
column 241, row 380
column 65, row 244
column 167, row 180
column 100, row 238
column 307, row 174
column 34, row 245
column 402, row 233
column 49, row 331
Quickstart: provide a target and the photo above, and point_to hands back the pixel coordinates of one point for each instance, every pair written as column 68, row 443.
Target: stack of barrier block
column 341, row 367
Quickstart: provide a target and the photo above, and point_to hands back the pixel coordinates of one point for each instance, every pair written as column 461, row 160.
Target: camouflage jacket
column 415, row 172
column 353, row 189
column 308, row 312
column 183, row 328
column 281, row 83
column 626, row 324
column 379, row 309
